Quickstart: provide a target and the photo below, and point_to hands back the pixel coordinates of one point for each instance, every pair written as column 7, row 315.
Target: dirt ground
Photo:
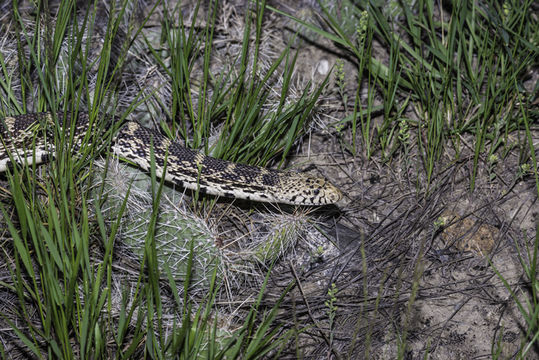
column 462, row 310
column 412, row 263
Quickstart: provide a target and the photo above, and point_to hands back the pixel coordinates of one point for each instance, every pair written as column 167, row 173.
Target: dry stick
column 311, row 316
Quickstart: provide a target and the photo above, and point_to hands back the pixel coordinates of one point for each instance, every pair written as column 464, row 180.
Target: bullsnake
column 23, row 137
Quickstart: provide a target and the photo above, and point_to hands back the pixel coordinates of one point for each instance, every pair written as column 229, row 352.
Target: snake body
column 23, row 136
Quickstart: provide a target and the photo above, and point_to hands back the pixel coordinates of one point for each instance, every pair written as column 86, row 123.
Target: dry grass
column 412, row 264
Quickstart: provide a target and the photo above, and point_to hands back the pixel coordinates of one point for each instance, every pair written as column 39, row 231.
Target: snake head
column 302, row 189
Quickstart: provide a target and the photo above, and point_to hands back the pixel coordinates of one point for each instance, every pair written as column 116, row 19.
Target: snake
column 26, row 139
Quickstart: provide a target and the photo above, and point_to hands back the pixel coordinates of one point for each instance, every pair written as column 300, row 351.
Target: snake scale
column 24, row 137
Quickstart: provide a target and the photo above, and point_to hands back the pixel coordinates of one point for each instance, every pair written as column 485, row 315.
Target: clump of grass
column 453, row 82
column 238, row 97
column 65, row 233
column 461, row 70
